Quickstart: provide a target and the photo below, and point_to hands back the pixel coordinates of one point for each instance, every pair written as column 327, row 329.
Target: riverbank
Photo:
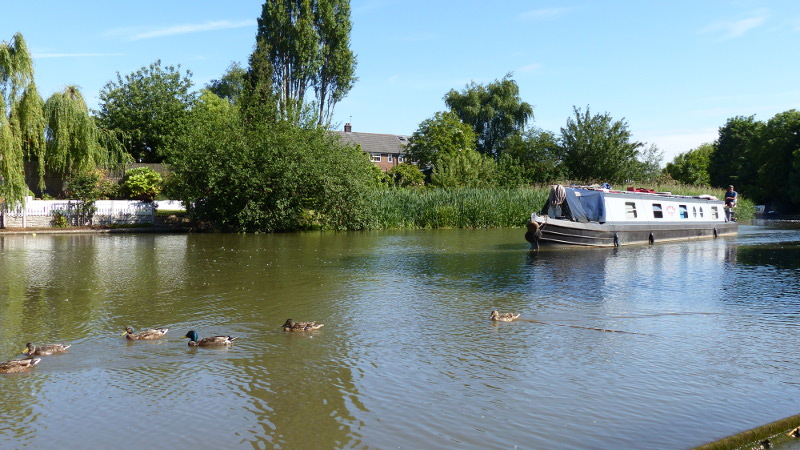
column 771, row 435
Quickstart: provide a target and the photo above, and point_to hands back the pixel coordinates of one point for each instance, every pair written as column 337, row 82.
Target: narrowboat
column 594, row 216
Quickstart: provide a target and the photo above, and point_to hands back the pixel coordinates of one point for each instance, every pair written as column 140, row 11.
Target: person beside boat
column 730, row 203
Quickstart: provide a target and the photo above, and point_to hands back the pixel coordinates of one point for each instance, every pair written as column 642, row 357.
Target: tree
column 495, row 112
column 240, row 176
column 464, row 169
column 306, row 45
column 149, row 107
column 647, row 166
column 444, row 134
column 732, row 160
column 531, row 157
column 598, row 148
column 779, row 162
column 407, row 175
column 231, row 85
column 21, row 120
column 74, row 143
column 692, row 167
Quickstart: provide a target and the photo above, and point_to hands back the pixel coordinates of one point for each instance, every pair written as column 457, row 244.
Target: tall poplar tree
column 306, row 44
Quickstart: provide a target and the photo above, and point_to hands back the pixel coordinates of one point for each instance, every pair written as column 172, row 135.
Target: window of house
column 400, row 158
column 630, row 210
column 683, row 212
column 375, row 157
column 658, row 213
column 389, row 157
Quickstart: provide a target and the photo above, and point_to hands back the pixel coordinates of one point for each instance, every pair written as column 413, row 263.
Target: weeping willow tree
column 75, row 144
column 21, row 120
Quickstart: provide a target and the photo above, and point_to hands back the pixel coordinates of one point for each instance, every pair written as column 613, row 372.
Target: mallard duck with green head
column 44, row 350
column 291, row 325
column 503, row 317
column 211, row 341
column 18, row 365
column 145, row 335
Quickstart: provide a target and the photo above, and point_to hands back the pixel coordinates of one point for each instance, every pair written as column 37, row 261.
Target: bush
column 141, row 183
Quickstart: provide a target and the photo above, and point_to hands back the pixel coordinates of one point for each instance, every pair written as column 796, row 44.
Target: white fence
column 41, row 213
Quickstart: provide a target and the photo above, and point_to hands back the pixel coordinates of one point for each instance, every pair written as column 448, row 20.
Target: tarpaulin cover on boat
column 586, row 205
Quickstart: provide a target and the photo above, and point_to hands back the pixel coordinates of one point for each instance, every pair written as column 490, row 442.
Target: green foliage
column 598, row 148
column 464, row 169
column 444, row 134
column 453, row 208
column 149, row 107
column 231, row 85
column 692, row 167
column 87, row 187
column 407, row 175
column 141, row 183
column 21, row 124
column 494, row 112
column 732, row 161
column 268, row 177
column 303, row 45
column 60, row 221
column 779, row 161
column 530, row 158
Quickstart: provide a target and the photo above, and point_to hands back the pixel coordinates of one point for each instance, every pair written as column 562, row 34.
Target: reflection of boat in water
column 596, row 217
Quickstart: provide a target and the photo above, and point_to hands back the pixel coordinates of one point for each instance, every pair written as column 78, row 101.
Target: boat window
column 714, row 212
column 658, row 213
column 694, row 211
column 701, row 212
column 630, row 210
column 683, row 212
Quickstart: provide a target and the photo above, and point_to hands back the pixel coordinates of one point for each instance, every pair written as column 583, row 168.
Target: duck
column 794, row 433
column 503, row 317
column 291, row 325
column 18, row 365
column 152, row 333
column 211, row 341
column 44, row 350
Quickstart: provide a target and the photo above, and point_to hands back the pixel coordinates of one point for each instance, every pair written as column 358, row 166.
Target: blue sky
column 674, row 71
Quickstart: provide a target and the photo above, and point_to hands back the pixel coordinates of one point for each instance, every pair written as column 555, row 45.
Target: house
column 385, row 150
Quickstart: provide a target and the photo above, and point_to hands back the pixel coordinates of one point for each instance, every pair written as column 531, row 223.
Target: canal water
column 665, row 346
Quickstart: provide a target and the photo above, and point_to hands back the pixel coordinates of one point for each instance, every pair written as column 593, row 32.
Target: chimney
column 348, row 128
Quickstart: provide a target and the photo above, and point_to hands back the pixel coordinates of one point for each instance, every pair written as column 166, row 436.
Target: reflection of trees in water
column 301, row 394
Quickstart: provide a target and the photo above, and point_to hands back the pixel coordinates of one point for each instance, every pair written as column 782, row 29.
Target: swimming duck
column 18, row 365
column 211, row 341
column 503, row 317
column 291, row 325
column 152, row 333
column 44, row 350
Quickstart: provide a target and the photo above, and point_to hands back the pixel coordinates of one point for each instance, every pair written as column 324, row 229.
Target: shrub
column 141, row 183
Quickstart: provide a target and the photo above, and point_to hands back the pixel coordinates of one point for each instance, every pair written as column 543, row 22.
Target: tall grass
column 414, row 208
column 453, row 208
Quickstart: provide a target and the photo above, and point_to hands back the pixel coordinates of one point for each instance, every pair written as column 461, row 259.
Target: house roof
column 374, row 142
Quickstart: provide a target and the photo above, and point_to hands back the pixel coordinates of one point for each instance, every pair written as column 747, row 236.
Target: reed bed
column 415, row 208
column 453, row 208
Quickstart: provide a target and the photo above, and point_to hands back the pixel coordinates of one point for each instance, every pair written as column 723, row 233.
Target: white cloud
column 543, row 14
column 73, row 55
column 730, row 29
column 530, row 68
column 186, row 29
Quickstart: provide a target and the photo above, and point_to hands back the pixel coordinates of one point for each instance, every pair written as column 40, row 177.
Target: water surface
column 664, row 346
